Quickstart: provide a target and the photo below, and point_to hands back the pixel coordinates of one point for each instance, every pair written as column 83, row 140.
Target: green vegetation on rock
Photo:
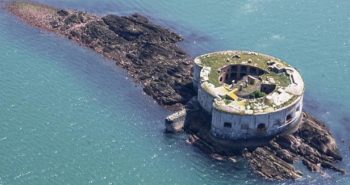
column 280, row 79
column 258, row 94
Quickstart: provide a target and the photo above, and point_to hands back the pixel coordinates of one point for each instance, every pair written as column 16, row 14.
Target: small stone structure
column 175, row 122
column 248, row 94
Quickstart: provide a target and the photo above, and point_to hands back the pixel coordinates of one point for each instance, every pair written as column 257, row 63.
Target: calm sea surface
column 68, row 116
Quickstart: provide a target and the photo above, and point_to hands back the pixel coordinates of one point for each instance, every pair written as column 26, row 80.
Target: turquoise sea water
column 68, row 116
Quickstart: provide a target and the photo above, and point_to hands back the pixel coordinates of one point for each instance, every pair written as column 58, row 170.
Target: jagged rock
column 311, row 166
column 62, row 12
column 55, row 24
column 285, row 155
column 263, row 162
column 317, row 135
column 312, row 142
column 138, row 27
column 288, row 142
column 97, row 30
column 331, row 166
column 72, row 19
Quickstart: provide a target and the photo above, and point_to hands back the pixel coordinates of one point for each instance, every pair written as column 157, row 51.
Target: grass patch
column 258, row 94
column 281, row 80
column 219, row 60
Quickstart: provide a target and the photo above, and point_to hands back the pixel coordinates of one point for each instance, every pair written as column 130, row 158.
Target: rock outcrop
column 312, row 143
column 147, row 51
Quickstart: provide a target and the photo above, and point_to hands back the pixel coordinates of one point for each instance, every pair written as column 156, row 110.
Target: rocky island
column 152, row 57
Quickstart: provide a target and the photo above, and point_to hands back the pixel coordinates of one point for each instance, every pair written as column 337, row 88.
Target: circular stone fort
column 248, row 94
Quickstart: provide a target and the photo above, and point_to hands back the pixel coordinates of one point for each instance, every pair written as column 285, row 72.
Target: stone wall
column 175, row 122
column 197, row 68
column 233, row 126
column 205, row 99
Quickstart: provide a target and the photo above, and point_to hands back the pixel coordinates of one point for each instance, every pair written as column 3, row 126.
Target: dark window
column 261, row 126
column 298, row 108
column 261, row 129
column 289, row 117
column 227, row 125
column 244, row 68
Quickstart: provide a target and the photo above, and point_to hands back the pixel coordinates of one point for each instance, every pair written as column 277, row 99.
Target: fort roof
column 248, row 82
column 218, row 60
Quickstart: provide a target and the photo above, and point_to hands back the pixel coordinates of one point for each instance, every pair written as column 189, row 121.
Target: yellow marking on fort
column 232, row 94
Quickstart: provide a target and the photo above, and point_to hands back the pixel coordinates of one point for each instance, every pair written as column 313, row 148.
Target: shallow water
column 68, row 116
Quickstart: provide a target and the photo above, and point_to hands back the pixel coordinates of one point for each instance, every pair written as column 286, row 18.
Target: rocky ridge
column 148, row 52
